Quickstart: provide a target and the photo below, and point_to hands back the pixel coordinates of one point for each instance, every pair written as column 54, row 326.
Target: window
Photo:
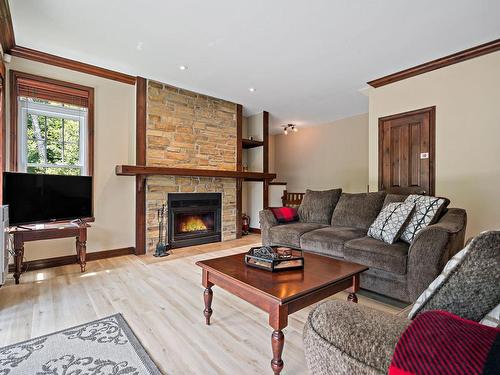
column 51, row 126
column 52, row 137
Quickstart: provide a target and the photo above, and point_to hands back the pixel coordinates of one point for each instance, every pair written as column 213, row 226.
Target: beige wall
column 325, row 156
column 467, row 100
column 114, row 143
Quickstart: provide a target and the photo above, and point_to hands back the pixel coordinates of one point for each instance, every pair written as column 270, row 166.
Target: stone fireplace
column 185, row 129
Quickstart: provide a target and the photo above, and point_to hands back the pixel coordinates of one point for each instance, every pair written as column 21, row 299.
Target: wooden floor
column 162, row 301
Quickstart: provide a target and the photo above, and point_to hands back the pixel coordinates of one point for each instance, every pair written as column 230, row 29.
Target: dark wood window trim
column 432, row 143
column 65, row 87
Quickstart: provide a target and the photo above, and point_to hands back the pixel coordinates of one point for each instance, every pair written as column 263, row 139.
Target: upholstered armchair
column 347, row 338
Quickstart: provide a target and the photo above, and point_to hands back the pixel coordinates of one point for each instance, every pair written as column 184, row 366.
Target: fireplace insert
column 194, row 218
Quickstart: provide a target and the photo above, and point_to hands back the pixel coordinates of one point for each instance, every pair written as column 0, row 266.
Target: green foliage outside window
column 52, row 140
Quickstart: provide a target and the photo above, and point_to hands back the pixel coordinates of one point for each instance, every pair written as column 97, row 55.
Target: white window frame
column 43, row 109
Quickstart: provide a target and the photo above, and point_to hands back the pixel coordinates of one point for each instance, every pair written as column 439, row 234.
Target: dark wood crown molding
column 455, row 58
column 62, row 62
column 6, row 29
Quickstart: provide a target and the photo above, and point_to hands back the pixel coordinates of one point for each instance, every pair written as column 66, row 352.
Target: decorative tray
column 274, row 258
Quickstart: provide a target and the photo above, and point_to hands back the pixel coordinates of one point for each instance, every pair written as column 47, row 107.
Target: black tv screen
column 35, row 198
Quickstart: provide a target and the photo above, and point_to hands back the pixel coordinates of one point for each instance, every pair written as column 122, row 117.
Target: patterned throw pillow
column 390, row 221
column 427, row 210
column 492, row 319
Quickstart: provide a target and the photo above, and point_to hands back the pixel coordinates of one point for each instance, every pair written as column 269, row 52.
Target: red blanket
column 440, row 343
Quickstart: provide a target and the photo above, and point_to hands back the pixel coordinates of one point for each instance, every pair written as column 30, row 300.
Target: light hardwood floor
column 162, row 301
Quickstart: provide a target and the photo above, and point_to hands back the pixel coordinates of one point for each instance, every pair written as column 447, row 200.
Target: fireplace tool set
column 162, row 247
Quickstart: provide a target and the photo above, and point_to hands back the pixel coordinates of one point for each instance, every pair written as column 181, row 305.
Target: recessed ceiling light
column 251, row 89
column 183, row 67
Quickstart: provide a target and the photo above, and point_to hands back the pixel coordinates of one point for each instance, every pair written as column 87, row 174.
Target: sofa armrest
column 267, row 221
column 332, row 343
column 432, row 247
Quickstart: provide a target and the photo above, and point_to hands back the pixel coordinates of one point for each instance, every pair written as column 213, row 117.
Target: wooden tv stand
column 49, row 231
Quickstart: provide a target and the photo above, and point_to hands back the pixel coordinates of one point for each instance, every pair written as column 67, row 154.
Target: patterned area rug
column 105, row 347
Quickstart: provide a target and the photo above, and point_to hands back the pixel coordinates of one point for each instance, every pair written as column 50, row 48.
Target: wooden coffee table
column 281, row 293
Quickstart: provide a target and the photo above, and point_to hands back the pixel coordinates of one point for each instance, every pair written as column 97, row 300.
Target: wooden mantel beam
column 141, row 170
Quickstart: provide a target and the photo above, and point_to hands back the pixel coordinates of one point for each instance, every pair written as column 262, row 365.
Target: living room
column 186, row 146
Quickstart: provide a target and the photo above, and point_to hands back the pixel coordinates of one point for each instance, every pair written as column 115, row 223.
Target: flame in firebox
column 193, row 224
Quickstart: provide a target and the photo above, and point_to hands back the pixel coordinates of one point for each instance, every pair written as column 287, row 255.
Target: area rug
column 105, row 346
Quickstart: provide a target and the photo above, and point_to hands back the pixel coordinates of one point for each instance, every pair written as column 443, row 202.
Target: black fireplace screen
column 194, row 218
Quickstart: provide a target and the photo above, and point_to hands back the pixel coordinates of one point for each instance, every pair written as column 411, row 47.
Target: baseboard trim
column 254, row 230
column 38, row 264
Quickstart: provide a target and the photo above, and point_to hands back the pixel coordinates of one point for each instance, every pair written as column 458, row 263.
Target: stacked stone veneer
column 189, row 130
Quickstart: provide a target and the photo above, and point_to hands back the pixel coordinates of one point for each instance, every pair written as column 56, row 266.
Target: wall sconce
column 290, row 127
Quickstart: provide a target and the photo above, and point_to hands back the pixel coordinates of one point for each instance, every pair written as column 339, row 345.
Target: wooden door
column 407, row 152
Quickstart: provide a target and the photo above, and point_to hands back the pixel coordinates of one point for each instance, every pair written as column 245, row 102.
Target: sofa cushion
column 390, row 222
column 378, row 254
column 357, row 210
column 317, row 206
column 428, row 210
column 289, row 234
column 329, row 240
column 394, row 198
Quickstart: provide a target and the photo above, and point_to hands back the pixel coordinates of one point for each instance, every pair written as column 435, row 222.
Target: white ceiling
column 307, row 59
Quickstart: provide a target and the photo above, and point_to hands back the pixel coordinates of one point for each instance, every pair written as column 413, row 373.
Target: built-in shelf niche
column 253, row 143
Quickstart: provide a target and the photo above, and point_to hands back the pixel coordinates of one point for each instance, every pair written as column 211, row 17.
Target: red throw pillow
column 285, row 214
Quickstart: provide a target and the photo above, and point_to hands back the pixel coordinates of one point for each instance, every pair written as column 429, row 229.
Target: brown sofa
column 338, row 225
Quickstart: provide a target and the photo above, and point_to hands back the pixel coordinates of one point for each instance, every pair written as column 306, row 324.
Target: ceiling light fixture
column 251, row 89
column 289, row 127
column 183, row 67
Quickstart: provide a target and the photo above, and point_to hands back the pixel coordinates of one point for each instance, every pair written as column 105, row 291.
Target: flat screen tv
column 37, row 198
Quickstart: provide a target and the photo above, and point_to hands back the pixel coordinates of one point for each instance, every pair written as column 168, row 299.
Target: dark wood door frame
column 432, row 143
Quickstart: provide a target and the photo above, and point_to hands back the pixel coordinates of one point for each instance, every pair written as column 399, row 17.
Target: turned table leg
column 207, row 296
column 278, row 319
column 81, row 247
column 81, row 252
column 18, row 261
column 352, row 297
column 277, row 343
